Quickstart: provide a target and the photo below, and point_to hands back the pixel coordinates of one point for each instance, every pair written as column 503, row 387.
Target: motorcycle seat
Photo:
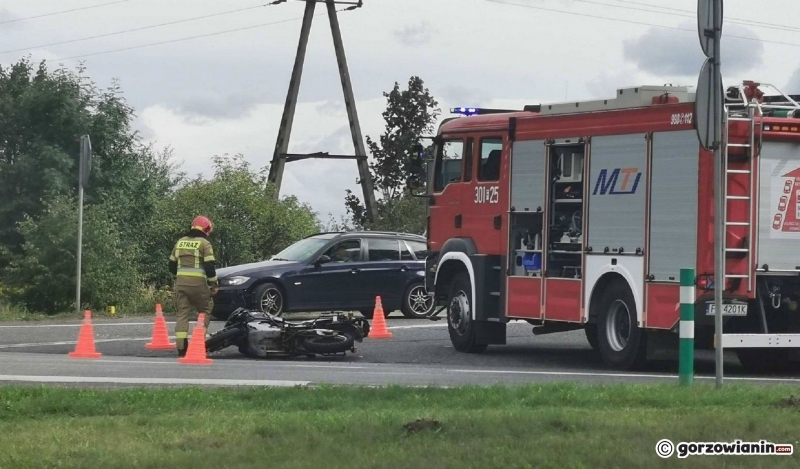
column 280, row 320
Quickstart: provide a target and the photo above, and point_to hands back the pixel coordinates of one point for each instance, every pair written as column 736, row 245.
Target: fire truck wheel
column 621, row 342
column 459, row 316
column 591, row 336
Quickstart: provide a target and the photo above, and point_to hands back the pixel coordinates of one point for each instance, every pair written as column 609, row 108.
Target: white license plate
column 734, row 309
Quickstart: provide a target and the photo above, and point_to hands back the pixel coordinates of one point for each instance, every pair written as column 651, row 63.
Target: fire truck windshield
column 447, row 167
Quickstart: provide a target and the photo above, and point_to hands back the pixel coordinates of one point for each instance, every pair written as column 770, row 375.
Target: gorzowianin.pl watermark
column 665, row 448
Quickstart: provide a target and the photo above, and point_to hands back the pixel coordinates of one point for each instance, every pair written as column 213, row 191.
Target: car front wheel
column 269, row 299
column 417, row 302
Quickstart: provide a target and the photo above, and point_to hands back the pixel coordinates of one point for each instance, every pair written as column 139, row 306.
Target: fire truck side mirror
column 416, row 159
column 416, row 171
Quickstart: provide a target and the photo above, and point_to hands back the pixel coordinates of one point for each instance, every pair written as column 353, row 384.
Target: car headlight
column 232, row 281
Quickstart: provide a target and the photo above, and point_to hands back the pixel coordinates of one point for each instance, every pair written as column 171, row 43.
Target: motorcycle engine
column 263, row 338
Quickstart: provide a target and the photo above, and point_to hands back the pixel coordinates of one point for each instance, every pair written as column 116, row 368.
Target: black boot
column 181, row 344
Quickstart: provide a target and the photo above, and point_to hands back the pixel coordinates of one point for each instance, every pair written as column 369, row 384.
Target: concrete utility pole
column 281, row 156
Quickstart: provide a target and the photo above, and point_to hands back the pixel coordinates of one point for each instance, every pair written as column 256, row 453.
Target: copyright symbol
column 664, row 448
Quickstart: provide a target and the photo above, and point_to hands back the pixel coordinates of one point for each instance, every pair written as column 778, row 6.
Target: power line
column 654, row 6
column 62, row 11
column 189, row 38
column 636, row 22
column 135, row 29
column 688, row 14
column 691, row 14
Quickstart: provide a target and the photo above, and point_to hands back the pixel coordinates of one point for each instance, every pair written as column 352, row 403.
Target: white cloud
column 664, row 53
column 416, row 35
column 9, row 18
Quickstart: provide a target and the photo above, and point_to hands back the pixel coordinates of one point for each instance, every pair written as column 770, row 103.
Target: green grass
column 549, row 426
column 11, row 313
column 136, row 304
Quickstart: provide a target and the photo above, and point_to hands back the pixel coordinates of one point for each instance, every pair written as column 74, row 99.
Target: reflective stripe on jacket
column 194, row 257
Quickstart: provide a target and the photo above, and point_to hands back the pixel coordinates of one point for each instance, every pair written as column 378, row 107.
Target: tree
column 43, row 113
column 249, row 225
column 44, row 275
column 136, row 203
column 409, row 115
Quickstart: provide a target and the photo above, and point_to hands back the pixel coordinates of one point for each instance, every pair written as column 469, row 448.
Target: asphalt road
column 419, row 353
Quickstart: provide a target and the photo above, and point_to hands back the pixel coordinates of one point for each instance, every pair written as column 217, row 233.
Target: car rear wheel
column 269, row 298
column 417, row 302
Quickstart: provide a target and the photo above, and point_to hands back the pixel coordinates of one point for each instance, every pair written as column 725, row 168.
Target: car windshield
column 301, row 250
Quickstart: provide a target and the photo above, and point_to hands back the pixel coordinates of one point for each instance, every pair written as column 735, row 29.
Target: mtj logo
column 614, row 184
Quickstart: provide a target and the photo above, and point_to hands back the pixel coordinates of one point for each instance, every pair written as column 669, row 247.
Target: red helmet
column 203, row 224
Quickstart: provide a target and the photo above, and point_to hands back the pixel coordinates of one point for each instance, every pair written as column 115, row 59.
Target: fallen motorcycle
column 258, row 334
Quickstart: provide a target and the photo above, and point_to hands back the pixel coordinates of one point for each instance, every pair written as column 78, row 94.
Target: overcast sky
column 224, row 93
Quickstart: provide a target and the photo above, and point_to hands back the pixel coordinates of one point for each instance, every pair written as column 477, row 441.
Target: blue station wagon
column 332, row 271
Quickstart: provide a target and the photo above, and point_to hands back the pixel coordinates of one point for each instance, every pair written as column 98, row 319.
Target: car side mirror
column 323, row 259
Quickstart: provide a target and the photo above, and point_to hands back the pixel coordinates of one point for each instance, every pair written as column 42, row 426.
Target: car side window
column 384, row 250
column 419, row 249
column 405, row 253
column 346, row 251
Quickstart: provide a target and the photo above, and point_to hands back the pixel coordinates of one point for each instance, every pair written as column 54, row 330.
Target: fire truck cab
column 581, row 215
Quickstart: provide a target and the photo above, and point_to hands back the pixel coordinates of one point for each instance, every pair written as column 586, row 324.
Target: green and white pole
column 686, row 351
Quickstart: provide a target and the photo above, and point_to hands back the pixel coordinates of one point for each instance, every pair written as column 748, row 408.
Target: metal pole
column 282, row 144
column 352, row 113
column 686, row 357
column 80, row 249
column 719, row 215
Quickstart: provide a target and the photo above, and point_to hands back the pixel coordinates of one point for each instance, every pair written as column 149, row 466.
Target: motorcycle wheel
column 223, row 338
column 327, row 344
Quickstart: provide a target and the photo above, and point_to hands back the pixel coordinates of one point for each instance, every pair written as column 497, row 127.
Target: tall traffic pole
column 720, row 194
column 80, row 250
column 84, row 165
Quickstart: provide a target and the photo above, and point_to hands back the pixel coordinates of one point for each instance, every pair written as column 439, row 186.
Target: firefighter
column 192, row 264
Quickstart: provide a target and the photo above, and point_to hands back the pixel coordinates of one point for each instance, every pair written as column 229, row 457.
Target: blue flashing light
column 466, row 111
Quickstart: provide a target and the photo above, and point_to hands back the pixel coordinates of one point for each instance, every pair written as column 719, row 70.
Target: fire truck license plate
column 733, row 309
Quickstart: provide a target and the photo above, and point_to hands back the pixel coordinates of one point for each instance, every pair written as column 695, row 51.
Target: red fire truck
column 581, row 215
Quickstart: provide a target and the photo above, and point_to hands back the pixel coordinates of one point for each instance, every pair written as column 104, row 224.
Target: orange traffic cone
column 85, row 346
column 196, row 353
column 160, row 340
column 379, row 330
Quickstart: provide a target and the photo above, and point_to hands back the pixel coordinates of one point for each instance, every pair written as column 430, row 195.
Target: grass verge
column 136, row 304
column 11, row 313
column 551, row 426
